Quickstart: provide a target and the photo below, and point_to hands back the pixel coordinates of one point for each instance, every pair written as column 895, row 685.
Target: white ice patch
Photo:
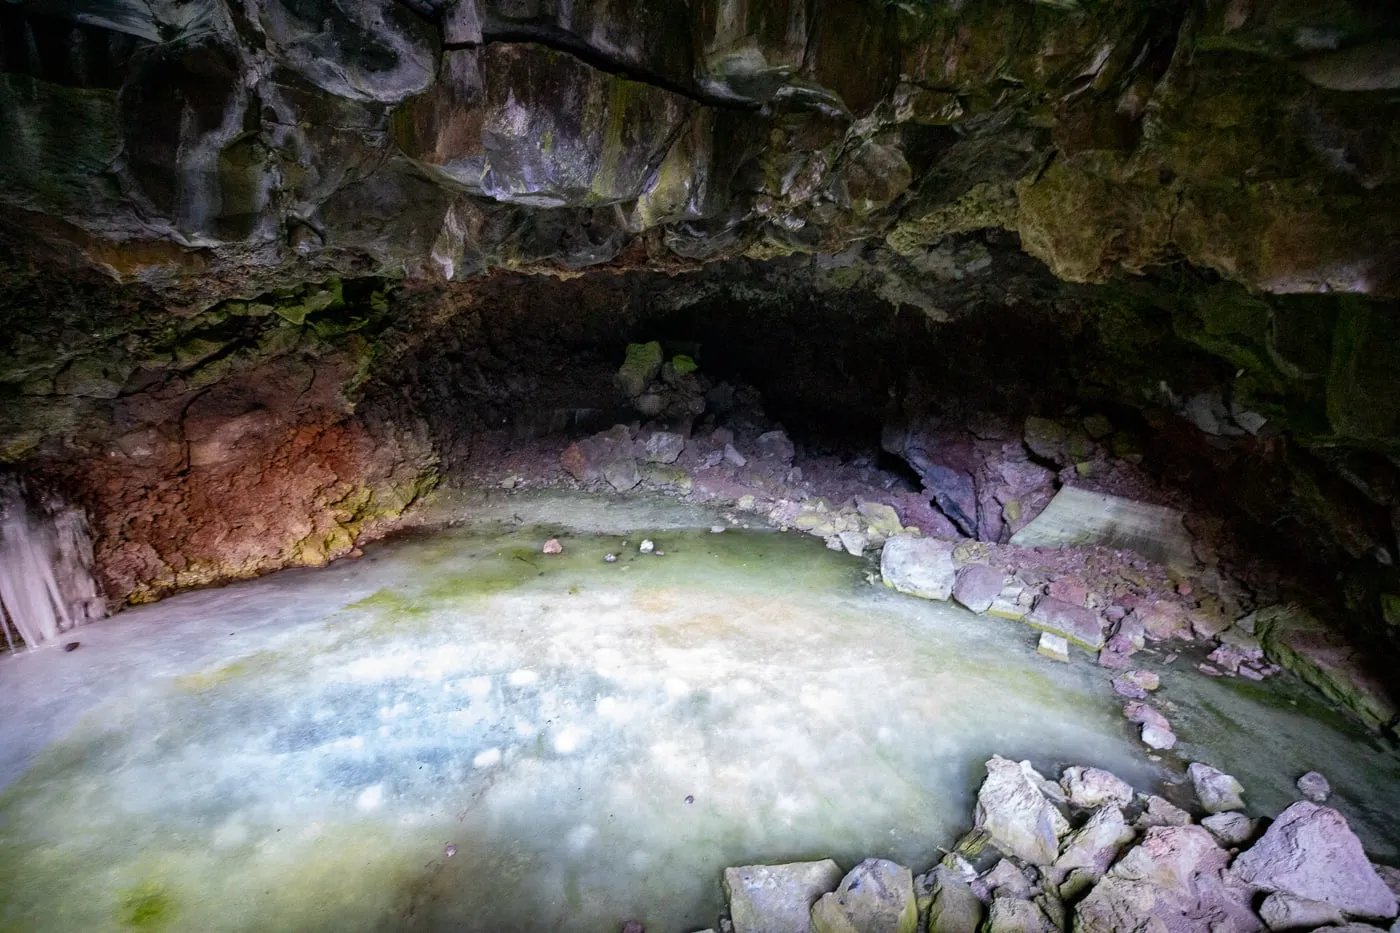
column 479, row 688
column 371, row 798
column 487, row 759
column 581, row 837
column 677, row 688
column 567, row 740
column 523, row 678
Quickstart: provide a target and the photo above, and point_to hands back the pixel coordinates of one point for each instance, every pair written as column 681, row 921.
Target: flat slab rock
column 777, row 898
column 1310, row 852
column 921, row 567
column 1078, row 517
column 978, row 586
column 1077, row 625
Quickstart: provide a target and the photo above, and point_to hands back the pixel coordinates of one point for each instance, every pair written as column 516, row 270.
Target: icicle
column 46, row 582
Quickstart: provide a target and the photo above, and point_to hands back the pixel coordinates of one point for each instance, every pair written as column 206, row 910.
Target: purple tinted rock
column 978, row 586
column 1076, row 624
column 1311, row 852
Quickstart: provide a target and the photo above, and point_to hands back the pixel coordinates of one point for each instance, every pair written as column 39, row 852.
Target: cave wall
column 269, row 267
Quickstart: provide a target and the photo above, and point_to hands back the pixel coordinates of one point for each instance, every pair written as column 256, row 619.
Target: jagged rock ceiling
column 215, row 147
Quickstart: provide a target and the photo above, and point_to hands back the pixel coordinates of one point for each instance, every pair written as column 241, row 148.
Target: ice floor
column 596, row 741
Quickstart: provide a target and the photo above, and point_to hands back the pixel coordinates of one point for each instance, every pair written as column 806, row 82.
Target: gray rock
column 606, row 456
column 1009, row 915
column 1053, row 647
column 1007, row 880
column 1230, row 828
column 1216, row 790
column 1391, row 877
column 919, row 566
column 733, row 457
column 1162, row 812
column 1136, row 685
column 662, row 446
column 1311, row 853
column 876, row 897
column 1016, row 815
column 1314, row 787
column 775, row 445
column 955, row 909
column 1076, row 624
column 1091, row 788
column 777, row 898
column 1286, row 912
column 1172, row 882
column 1089, row 850
column 978, row 586
column 854, row 542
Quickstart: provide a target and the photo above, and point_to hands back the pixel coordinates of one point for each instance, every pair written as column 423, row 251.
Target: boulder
column 661, row 446
column 777, row 898
column 1230, row 828
column 1162, row 812
column 1135, row 685
column 1286, row 912
column 1216, row 790
column 775, row 445
column 978, row 586
column 1016, row 815
column 954, row 909
column 1162, row 619
column 1009, row 915
column 876, row 897
column 606, row 456
column 1314, row 787
column 1089, row 850
column 1077, row 625
column 1006, row 880
column 639, row 368
column 1311, row 852
column 854, row 542
column 1171, row 881
column 1091, row 788
column 919, row 566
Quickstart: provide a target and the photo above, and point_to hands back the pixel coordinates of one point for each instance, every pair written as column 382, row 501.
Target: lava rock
column 978, row 586
column 1075, row 624
column 775, row 445
column 1052, row 646
column 1216, row 790
column 1009, row 915
column 777, row 898
column 1156, row 731
column 876, row 897
column 1286, row 912
column 954, row 908
column 1091, row 788
column 1230, row 828
column 1089, row 850
column 1016, row 815
column 1311, row 852
column 919, row 566
column 661, row 446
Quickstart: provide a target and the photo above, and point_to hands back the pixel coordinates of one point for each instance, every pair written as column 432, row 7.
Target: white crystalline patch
column 371, row 798
column 393, row 712
column 581, row 837
column 487, row 759
column 523, row 728
column 479, row 688
column 676, row 688
column 567, row 740
column 607, row 707
column 523, row 678
column 885, row 734
column 353, row 743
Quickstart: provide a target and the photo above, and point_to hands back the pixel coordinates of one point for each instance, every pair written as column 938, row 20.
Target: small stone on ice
column 716, row 529
column 609, row 558
column 450, row 850
column 646, row 547
column 552, row 546
column 1314, row 787
column 1052, row 646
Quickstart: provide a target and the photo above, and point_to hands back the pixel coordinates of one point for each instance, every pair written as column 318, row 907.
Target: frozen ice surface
column 598, row 741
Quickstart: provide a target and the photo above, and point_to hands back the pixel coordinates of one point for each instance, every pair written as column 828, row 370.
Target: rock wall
column 245, row 241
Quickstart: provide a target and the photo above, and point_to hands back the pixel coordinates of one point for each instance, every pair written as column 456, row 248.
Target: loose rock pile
column 1090, row 854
